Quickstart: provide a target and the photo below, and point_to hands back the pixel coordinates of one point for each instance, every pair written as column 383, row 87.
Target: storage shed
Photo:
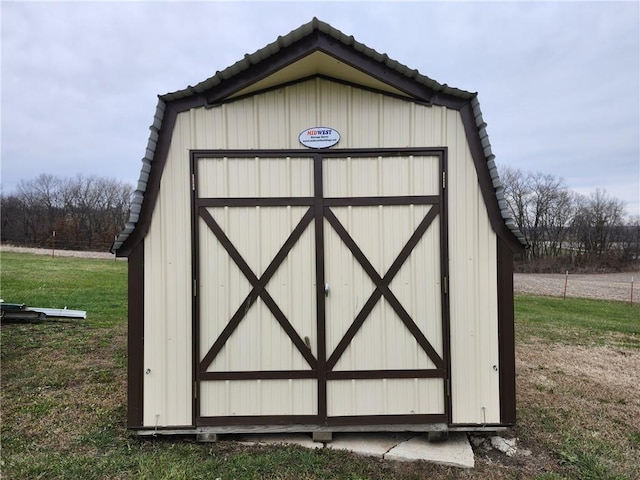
column 319, row 242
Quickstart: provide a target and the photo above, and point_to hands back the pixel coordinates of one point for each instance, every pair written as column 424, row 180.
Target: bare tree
column 597, row 217
column 517, row 189
column 550, row 211
column 40, row 200
column 627, row 238
column 86, row 212
column 541, row 206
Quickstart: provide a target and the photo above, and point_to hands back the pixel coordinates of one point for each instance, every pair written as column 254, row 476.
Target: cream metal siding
column 167, row 393
column 259, row 397
column 381, row 176
column 254, row 177
column 473, row 288
column 273, row 120
column 391, row 396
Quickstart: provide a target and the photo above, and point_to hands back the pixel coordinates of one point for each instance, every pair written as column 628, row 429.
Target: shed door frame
column 319, row 210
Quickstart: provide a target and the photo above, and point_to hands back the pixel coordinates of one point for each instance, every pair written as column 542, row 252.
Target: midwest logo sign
column 319, row 137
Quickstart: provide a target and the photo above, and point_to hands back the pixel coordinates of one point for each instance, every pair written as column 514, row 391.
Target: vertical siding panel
column 153, row 386
column 270, row 116
column 302, row 109
column 365, row 120
column 240, row 398
column 332, row 100
column 396, row 125
column 473, row 287
column 388, row 397
column 168, row 390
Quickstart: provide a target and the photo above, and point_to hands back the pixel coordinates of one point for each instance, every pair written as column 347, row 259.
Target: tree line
column 569, row 230
column 85, row 212
column 565, row 230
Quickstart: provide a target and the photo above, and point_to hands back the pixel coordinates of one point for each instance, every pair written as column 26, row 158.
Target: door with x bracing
column 320, row 287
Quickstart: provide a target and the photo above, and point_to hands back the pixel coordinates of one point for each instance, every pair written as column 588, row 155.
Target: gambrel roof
column 315, row 49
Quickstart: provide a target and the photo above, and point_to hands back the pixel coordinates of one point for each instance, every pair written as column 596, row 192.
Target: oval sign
column 319, row 137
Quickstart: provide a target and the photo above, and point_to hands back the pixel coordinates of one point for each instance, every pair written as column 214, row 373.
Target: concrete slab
column 280, row 439
column 371, row 444
column 455, row 452
column 407, row 447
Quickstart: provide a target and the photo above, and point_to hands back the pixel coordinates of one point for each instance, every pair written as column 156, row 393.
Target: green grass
column 577, row 321
column 97, row 286
column 583, row 419
column 64, row 382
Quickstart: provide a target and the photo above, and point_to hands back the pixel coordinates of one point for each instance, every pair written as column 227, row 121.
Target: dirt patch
column 603, row 286
column 612, row 373
column 59, row 253
column 569, row 393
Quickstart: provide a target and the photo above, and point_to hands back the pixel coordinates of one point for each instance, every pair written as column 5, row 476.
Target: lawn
column 63, row 394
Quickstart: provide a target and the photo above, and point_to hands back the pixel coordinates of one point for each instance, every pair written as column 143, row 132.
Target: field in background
column 64, row 394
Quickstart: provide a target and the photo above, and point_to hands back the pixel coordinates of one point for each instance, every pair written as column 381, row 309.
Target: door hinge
column 445, row 285
column 195, row 389
column 193, row 182
column 195, row 287
column 448, row 387
column 444, row 180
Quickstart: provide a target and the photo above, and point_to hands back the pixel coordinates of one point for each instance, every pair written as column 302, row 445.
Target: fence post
column 566, row 279
column 53, row 245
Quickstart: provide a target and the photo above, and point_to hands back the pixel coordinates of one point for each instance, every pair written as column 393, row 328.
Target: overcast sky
column 558, row 82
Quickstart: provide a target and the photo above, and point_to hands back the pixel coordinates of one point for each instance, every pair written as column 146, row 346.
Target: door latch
column 326, row 289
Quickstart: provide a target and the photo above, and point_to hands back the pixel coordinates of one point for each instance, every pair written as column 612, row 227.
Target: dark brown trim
column 259, row 375
column 444, row 287
column 252, row 202
column 380, row 374
column 325, row 153
column 257, row 420
column 318, row 197
column 179, row 429
column 477, row 426
column 388, row 419
column 314, row 420
column 485, row 181
column 195, row 277
column 135, row 338
column 506, row 335
column 375, row 201
column 329, row 201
